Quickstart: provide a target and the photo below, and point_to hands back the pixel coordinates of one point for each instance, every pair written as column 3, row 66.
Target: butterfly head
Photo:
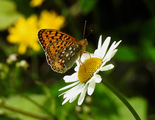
column 84, row 42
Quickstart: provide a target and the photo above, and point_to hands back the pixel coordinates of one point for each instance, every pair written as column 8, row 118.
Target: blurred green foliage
column 34, row 88
column 8, row 14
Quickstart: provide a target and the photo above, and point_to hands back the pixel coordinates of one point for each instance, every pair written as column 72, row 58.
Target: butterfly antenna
column 84, row 29
column 89, row 33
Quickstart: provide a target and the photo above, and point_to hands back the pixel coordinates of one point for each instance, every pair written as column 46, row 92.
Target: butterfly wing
column 63, row 58
column 61, row 49
column 47, row 36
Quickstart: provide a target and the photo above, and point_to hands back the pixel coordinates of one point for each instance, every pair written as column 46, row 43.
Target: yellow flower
column 24, row 33
column 35, row 3
column 51, row 20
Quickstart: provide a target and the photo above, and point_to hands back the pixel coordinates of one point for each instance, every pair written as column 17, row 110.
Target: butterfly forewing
column 47, row 36
column 53, row 48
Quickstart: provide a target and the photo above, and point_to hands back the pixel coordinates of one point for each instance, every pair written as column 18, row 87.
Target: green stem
column 121, row 97
column 25, row 113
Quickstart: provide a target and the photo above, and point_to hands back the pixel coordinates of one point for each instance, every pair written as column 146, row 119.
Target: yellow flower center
column 87, row 69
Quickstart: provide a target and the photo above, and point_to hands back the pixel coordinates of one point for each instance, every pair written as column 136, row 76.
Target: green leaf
column 139, row 104
column 8, row 14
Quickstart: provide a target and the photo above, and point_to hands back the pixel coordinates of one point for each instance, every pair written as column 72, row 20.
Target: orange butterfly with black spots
column 61, row 49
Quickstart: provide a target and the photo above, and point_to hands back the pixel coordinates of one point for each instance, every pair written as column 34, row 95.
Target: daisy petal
column 76, row 68
column 100, row 42
column 72, row 99
column 109, row 55
column 65, row 101
column 91, row 87
column 107, row 67
column 118, row 43
column 72, row 78
column 97, row 78
column 77, row 63
column 82, row 96
column 68, row 86
column 69, row 91
column 98, row 50
column 112, row 54
column 85, row 56
column 104, row 47
column 74, row 91
column 112, row 48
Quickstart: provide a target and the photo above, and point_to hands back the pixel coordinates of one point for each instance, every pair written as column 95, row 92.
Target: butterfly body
column 61, row 49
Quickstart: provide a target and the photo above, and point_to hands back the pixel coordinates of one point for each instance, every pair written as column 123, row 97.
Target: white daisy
column 86, row 77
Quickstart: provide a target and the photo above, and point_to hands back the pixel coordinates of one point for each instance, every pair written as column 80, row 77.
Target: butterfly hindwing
column 62, row 58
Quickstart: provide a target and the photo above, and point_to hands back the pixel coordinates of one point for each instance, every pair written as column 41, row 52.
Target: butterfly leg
column 81, row 62
column 89, row 55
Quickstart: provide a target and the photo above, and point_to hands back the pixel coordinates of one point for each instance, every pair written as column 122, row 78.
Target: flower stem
column 122, row 98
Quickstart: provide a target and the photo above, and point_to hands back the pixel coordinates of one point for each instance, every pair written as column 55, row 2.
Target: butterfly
column 61, row 49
